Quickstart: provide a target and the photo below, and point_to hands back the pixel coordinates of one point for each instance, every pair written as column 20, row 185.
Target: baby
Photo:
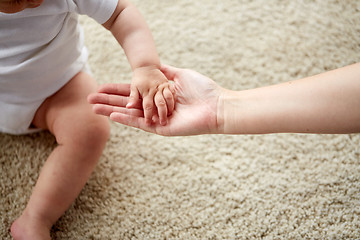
column 44, row 84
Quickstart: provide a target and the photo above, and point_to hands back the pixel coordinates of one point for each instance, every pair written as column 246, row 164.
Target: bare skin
column 131, row 31
column 9, row 6
column 80, row 133
column 325, row 103
column 148, row 83
column 81, row 138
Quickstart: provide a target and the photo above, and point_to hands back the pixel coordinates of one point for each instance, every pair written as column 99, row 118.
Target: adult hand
column 196, row 107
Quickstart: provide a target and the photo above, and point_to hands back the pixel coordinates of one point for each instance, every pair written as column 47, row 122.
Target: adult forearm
column 325, row 103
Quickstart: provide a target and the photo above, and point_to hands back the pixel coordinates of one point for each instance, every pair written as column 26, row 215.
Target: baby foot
column 29, row 229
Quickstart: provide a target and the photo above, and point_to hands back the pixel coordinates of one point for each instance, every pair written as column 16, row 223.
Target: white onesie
column 41, row 49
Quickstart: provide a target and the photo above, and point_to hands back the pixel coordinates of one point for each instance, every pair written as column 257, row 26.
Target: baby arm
column 148, row 82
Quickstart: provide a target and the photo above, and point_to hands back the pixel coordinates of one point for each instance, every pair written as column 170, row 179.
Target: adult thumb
column 169, row 71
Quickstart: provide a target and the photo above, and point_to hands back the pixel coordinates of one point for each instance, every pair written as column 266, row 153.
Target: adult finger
column 169, row 71
column 115, row 88
column 106, row 110
column 132, row 121
column 103, row 98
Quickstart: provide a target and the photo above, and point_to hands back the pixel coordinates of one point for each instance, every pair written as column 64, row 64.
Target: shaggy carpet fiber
column 277, row 186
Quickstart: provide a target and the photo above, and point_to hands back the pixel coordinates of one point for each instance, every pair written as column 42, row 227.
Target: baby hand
column 150, row 84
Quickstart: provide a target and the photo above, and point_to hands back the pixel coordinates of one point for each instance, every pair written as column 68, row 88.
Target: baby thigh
column 69, row 116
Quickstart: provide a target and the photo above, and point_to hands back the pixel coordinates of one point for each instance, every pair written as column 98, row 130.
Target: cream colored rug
column 279, row 186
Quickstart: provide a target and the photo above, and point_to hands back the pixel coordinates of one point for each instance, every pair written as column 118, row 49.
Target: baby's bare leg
column 81, row 137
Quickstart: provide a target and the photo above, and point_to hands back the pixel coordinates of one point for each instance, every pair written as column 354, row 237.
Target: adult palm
column 196, row 106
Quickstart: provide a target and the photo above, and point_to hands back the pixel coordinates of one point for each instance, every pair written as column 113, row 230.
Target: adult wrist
column 223, row 111
column 220, row 114
column 232, row 113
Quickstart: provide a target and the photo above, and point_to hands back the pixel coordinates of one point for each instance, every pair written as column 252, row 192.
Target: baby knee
column 91, row 136
column 97, row 133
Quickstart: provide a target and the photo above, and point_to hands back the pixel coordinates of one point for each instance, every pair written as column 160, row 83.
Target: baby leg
column 81, row 136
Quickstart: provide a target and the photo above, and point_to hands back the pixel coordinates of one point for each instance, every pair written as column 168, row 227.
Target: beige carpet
column 279, row 186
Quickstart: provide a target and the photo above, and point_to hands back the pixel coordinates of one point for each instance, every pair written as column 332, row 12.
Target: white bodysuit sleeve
column 100, row 10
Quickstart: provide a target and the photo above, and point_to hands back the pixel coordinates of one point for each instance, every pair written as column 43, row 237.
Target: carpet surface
column 277, row 186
